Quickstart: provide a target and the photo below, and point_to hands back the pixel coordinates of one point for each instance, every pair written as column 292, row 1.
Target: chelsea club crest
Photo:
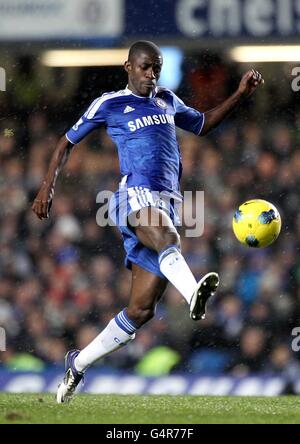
column 161, row 103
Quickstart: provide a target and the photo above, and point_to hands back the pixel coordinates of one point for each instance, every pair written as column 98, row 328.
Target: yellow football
column 256, row 223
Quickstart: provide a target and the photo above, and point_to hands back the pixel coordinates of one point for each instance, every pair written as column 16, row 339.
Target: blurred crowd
column 63, row 279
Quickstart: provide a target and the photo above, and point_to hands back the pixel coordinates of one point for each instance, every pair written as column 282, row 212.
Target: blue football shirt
column 144, row 131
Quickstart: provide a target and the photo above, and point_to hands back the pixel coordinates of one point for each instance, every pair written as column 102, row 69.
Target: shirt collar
column 153, row 93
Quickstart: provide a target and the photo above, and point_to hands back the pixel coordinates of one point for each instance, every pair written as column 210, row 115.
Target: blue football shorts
column 124, row 204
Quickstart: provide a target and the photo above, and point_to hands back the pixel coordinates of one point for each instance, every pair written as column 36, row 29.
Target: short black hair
column 143, row 46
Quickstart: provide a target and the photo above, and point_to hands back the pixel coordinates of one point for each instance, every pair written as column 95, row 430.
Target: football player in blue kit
column 141, row 119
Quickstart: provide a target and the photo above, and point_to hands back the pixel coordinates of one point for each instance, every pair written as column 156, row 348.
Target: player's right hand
column 42, row 203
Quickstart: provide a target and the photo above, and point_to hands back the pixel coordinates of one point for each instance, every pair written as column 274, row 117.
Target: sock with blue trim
column 119, row 331
column 173, row 265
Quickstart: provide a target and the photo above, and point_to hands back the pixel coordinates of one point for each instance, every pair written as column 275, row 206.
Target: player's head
column 143, row 67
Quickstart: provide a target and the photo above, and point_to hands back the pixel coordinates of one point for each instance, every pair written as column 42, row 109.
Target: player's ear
column 127, row 66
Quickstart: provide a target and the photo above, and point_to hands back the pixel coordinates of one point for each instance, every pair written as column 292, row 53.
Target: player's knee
column 140, row 315
column 169, row 237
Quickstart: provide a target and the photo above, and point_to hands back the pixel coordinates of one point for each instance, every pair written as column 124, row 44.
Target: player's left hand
column 250, row 81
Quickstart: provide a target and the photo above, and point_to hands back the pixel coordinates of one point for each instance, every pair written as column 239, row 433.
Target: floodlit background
column 63, row 279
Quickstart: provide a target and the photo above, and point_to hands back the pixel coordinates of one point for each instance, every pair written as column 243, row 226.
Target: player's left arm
column 248, row 84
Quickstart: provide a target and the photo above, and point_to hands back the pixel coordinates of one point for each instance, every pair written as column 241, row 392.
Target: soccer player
column 141, row 119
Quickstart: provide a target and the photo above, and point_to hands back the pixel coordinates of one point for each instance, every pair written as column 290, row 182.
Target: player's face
column 144, row 72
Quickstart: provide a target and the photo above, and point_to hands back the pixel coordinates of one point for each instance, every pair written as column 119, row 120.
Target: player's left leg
column 163, row 238
column 146, row 290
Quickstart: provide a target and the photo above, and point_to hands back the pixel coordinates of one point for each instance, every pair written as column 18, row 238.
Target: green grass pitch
column 115, row 409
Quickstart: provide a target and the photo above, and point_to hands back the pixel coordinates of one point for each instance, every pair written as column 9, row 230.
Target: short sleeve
column 186, row 117
column 93, row 118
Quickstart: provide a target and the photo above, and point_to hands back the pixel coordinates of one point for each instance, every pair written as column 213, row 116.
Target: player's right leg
column 72, row 378
column 119, row 331
column 164, row 239
column 146, row 290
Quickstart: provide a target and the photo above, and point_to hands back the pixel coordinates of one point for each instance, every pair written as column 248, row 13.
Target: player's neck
column 137, row 94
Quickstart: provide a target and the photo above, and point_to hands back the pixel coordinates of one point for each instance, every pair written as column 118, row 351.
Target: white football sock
column 109, row 340
column 173, row 265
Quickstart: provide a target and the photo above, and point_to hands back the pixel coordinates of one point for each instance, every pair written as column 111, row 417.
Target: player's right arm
column 92, row 119
column 42, row 202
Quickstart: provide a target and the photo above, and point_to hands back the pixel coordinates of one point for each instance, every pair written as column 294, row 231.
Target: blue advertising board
column 125, row 383
column 116, row 20
column 213, row 18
